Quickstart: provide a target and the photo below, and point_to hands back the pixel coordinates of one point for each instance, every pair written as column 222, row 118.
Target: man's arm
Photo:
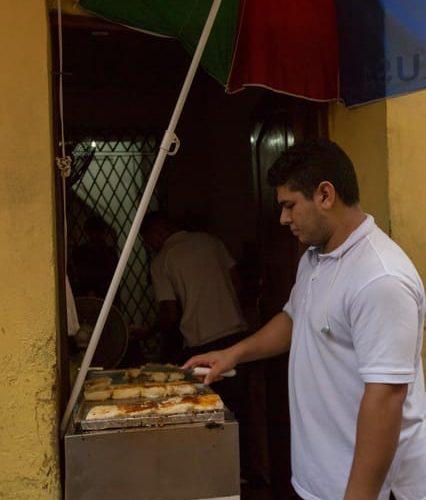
column 272, row 339
column 378, row 428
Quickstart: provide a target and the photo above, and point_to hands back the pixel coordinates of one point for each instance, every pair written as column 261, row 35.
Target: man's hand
column 218, row 362
column 272, row 339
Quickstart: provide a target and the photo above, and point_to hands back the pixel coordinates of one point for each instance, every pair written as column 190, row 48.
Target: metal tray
column 119, row 376
column 215, row 417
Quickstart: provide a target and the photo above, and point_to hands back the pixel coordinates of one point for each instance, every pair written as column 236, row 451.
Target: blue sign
column 382, row 48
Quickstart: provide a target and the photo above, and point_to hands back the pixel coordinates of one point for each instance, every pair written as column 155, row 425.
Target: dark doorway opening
column 120, row 87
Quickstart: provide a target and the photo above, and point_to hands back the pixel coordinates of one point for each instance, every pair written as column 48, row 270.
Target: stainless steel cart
column 175, row 462
column 168, row 460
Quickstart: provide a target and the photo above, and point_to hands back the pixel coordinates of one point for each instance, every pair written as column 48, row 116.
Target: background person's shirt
column 194, row 269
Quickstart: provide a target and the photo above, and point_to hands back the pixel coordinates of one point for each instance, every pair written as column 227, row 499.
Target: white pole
column 168, row 138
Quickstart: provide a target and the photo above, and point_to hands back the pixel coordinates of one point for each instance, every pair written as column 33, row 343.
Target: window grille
column 110, row 184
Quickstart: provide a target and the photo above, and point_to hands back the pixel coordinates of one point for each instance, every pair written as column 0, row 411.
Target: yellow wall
column 406, row 127
column 28, row 449
column 386, row 142
column 362, row 134
column 407, row 174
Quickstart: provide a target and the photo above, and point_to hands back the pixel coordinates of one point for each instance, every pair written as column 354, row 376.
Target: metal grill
column 109, row 181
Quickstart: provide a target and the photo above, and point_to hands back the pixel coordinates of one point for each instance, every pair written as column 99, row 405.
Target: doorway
column 278, row 123
column 117, row 82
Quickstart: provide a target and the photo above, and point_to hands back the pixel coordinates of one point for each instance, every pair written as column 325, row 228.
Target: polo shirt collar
column 365, row 228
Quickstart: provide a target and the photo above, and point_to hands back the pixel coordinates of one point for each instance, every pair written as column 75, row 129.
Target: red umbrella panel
column 287, row 47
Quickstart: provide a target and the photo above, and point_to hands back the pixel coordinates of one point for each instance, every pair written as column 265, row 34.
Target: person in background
column 196, row 284
column 94, row 262
column 354, row 328
column 92, row 267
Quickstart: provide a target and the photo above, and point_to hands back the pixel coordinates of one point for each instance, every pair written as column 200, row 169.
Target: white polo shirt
column 193, row 269
column 358, row 316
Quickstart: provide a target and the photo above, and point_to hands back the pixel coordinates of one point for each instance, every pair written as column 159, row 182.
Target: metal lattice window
column 110, row 185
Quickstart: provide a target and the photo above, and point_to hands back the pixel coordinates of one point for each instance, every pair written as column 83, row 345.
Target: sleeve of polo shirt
column 163, row 288
column 288, row 307
column 384, row 318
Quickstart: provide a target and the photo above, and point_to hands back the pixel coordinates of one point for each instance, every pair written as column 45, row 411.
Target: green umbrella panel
column 180, row 19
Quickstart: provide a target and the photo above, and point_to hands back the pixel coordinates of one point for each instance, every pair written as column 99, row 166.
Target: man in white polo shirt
column 354, row 327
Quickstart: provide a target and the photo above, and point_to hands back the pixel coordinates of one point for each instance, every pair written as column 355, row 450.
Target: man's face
column 305, row 218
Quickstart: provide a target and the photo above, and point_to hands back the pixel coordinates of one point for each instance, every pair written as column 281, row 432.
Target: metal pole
column 168, row 138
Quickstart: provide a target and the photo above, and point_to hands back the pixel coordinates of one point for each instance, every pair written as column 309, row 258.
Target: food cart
column 170, row 454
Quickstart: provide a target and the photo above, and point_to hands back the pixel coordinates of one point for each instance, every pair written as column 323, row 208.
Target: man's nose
column 285, row 217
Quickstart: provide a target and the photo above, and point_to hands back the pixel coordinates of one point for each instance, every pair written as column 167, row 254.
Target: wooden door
column 280, row 123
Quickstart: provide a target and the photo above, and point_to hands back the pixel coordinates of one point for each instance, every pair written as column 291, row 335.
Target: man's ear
column 326, row 194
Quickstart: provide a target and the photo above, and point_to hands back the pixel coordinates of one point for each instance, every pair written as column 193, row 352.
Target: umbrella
column 321, row 50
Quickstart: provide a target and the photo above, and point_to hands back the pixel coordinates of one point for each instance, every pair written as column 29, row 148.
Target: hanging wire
column 64, row 162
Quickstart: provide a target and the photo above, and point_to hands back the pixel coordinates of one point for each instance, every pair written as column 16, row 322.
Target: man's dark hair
column 304, row 166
